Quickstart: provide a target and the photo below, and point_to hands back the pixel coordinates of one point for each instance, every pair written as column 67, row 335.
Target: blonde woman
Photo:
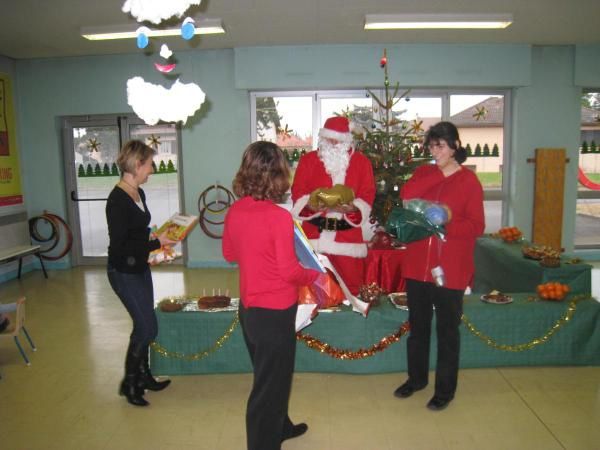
column 128, row 271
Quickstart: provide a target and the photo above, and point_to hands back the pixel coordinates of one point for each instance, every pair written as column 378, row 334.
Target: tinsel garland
column 385, row 342
column 534, row 342
column 201, row 354
column 323, row 347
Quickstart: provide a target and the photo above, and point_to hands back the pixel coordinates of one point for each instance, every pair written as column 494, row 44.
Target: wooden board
column 549, row 196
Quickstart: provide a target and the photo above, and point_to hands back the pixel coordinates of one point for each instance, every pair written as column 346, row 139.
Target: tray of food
column 398, row 299
column 539, row 252
column 496, row 298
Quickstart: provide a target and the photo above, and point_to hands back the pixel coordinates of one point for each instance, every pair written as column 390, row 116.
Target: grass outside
column 490, row 179
column 494, row 179
column 595, row 177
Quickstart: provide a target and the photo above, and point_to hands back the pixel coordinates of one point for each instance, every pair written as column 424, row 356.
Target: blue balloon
column 436, row 214
column 188, row 30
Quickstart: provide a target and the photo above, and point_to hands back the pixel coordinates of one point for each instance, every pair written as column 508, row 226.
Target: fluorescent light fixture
column 203, row 26
column 426, row 21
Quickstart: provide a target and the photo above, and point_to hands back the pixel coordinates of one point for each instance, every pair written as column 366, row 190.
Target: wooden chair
column 17, row 323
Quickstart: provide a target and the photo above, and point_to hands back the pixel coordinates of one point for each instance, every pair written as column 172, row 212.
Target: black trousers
column 270, row 337
column 448, row 303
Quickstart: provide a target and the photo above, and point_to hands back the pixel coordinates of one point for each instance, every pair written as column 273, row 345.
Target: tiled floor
column 67, row 399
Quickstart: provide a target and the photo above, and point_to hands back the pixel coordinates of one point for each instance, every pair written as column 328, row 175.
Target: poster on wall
column 11, row 196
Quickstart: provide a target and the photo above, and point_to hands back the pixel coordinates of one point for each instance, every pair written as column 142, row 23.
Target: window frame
column 501, row 194
column 584, row 194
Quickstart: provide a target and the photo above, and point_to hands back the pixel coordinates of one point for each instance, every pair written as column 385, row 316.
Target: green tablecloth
column 577, row 342
column 501, row 266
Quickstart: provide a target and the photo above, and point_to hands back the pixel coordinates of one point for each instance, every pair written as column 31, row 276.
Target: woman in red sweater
column 449, row 183
column 259, row 236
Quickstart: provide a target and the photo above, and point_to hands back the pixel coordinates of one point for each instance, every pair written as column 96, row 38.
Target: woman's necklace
column 132, row 190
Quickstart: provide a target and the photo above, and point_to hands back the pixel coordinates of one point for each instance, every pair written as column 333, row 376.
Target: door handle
column 76, row 199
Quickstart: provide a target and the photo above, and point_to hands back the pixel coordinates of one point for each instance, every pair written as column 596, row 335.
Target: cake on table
column 214, row 301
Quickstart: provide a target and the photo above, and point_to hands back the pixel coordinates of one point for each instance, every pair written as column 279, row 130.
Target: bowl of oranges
column 552, row 291
column 510, row 234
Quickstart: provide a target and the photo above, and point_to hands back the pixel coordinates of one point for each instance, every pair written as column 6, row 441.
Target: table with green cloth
column 549, row 337
column 501, row 266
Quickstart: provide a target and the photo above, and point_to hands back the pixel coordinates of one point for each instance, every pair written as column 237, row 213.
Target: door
column 91, row 146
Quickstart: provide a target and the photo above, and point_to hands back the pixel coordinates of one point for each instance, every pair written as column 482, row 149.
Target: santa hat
column 337, row 128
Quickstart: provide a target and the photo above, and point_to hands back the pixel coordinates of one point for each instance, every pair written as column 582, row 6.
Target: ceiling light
column 456, row 21
column 203, row 26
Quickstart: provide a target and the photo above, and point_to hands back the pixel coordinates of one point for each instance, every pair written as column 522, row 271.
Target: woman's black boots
column 131, row 386
column 146, row 380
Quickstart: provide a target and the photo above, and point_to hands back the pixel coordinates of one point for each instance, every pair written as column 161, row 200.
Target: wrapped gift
column 325, row 292
column 337, row 195
column 409, row 225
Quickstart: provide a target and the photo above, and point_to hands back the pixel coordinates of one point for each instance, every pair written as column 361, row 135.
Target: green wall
column 544, row 105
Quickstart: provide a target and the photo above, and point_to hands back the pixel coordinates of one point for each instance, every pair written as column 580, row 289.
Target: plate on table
column 497, row 299
column 398, row 299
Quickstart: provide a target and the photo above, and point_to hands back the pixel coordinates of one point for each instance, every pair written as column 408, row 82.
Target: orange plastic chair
column 17, row 325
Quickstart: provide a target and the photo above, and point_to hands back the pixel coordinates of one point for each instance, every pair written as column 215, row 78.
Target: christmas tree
column 392, row 145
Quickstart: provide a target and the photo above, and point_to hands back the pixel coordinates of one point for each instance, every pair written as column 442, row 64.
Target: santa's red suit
column 345, row 246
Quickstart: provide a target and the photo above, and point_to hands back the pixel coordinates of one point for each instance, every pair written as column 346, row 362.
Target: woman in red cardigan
column 446, row 182
column 259, row 236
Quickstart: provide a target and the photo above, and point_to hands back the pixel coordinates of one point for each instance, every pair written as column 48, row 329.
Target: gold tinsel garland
column 201, row 354
column 385, row 342
column 323, row 347
column 534, row 342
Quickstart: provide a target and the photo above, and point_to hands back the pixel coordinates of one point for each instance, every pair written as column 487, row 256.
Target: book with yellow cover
column 178, row 226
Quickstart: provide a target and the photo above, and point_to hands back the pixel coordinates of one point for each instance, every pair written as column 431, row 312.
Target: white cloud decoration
column 156, row 11
column 152, row 102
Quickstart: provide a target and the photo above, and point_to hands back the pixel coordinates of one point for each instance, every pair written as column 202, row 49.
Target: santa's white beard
column 336, row 158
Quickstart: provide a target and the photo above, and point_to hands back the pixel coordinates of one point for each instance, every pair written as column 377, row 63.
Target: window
column 481, row 119
column 293, row 119
column 587, row 220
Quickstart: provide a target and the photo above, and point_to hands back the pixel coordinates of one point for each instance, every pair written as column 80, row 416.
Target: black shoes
column 296, row 430
column 131, row 386
column 406, row 390
column 437, row 403
column 146, row 380
column 132, row 392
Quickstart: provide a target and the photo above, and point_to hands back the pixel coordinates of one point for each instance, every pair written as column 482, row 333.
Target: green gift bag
column 408, row 226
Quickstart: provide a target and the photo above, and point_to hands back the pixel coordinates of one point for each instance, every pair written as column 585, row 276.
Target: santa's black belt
column 330, row 224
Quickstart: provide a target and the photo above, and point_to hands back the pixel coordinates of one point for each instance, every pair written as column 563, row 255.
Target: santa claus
column 336, row 231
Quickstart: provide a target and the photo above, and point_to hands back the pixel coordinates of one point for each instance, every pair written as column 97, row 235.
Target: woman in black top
column 128, row 272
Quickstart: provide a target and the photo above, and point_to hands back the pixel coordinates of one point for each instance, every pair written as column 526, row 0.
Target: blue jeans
column 136, row 292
